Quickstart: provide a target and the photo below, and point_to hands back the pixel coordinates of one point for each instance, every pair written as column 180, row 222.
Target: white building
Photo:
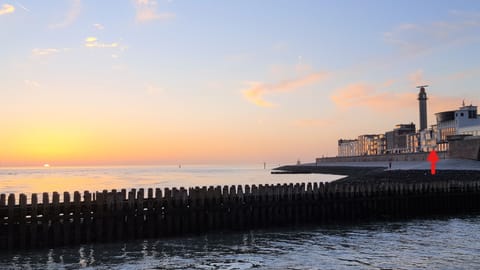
column 464, row 121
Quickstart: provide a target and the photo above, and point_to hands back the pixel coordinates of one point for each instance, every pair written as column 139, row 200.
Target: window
column 461, row 114
column 472, row 114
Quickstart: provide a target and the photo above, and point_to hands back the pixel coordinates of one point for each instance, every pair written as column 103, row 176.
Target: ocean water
column 433, row 243
column 439, row 243
column 60, row 179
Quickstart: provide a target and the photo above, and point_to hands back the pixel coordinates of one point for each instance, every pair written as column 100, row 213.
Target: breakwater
column 120, row 215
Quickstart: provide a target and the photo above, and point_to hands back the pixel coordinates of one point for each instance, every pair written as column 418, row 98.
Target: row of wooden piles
column 120, row 215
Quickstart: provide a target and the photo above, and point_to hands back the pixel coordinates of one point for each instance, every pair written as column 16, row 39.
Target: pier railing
column 120, row 215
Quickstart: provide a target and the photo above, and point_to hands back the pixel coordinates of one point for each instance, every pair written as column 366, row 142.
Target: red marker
column 433, row 158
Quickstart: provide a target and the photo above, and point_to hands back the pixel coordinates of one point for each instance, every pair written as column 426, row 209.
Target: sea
column 444, row 242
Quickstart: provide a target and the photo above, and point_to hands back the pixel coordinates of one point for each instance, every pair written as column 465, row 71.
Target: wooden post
column 158, row 212
column 77, row 226
column 12, row 241
column 167, row 204
column 66, row 219
column 281, row 204
column 45, row 239
column 309, row 204
column 131, row 214
column 119, row 215
column 232, row 206
column 247, row 208
column 224, row 208
column 98, row 216
column 217, row 208
column 33, row 221
column 176, row 211
column 185, row 217
column 109, row 216
column 260, row 205
column 202, row 215
column 87, row 216
column 211, row 206
column 177, row 221
column 150, row 214
column 56, row 219
column 140, row 219
column 240, row 208
column 255, row 207
column 192, row 209
column 22, row 221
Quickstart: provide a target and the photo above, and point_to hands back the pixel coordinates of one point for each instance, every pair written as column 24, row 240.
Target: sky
column 158, row 82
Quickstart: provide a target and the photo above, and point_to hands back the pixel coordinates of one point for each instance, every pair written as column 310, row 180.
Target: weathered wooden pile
column 120, row 215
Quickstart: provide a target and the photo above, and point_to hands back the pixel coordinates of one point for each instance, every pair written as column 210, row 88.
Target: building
column 380, row 144
column 451, row 125
column 464, row 121
column 347, row 148
column 413, row 142
column 428, row 139
column 396, row 140
column 366, row 145
column 468, row 121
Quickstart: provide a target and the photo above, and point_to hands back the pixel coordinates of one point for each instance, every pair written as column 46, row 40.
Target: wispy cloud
column 98, row 26
column 32, row 84
column 312, row 122
column 388, row 83
column 257, row 90
column 367, row 95
column 22, row 6
column 464, row 74
column 6, row 9
column 416, row 78
column 280, row 46
column 71, row 15
column 146, row 10
column 47, row 51
column 377, row 99
column 92, row 42
column 152, row 89
column 459, row 29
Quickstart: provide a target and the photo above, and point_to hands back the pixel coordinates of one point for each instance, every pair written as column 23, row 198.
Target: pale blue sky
column 262, row 80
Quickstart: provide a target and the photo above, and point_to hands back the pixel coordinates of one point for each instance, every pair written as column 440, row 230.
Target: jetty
column 53, row 220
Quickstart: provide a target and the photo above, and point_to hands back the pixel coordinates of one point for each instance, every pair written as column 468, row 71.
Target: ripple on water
column 415, row 244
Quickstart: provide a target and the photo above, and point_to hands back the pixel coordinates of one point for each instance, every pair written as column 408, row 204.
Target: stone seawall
column 465, row 149
column 389, row 157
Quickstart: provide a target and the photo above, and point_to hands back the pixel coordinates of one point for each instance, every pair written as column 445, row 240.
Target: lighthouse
column 422, row 105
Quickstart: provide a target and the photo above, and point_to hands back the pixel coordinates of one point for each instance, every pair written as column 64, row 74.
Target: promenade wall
column 465, row 149
column 120, row 215
column 387, row 157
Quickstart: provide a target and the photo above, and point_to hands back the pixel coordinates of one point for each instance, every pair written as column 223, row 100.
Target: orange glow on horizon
column 67, row 144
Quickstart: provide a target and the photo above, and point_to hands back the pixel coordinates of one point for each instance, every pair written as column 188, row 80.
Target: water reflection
column 430, row 243
column 28, row 181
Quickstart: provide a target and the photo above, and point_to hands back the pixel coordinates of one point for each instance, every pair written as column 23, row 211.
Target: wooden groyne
column 120, row 215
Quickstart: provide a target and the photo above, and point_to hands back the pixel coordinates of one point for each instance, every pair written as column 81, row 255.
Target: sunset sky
column 207, row 82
